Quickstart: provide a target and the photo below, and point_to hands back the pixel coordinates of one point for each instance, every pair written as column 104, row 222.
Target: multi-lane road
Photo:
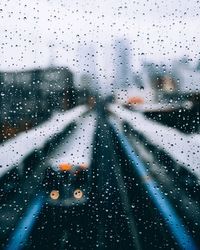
column 139, row 191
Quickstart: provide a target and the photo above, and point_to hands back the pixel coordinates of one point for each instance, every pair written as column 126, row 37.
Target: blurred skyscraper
column 123, row 76
column 87, row 67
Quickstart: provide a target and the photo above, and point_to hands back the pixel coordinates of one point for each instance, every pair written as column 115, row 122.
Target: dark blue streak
column 25, row 226
column 174, row 223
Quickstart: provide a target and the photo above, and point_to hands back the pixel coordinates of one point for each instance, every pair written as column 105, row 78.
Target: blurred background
column 56, row 53
column 99, row 124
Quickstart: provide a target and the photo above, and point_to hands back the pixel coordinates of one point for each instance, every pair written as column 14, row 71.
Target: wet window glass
column 99, row 124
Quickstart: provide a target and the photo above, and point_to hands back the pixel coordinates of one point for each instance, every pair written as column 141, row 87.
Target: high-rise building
column 122, row 65
column 87, row 67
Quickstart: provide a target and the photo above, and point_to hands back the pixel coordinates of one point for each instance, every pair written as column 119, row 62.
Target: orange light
column 65, row 166
column 135, row 100
column 54, row 194
column 78, row 194
column 83, row 165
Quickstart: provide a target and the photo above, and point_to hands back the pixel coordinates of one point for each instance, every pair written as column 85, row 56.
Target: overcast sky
column 37, row 33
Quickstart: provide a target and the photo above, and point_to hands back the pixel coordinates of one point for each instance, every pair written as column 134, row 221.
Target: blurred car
column 67, row 178
column 67, row 184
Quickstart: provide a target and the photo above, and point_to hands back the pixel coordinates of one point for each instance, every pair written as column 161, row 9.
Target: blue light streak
column 23, row 230
column 168, row 213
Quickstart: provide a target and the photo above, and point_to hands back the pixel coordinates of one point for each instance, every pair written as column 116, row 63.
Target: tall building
column 87, row 67
column 122, row 66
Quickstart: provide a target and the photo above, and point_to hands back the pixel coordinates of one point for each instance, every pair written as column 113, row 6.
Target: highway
column 136, row 190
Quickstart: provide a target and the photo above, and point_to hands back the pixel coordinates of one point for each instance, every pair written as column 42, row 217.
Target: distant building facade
column 29, row 97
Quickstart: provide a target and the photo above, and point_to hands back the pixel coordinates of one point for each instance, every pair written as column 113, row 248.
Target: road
column 121, row 212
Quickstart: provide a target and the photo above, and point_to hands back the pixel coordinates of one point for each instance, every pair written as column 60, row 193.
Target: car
column 67, row 179
column 68, row 185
